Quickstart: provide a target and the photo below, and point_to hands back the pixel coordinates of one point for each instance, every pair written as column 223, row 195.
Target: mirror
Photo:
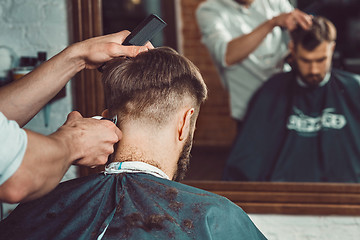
column 212, row 114
column 210, row 140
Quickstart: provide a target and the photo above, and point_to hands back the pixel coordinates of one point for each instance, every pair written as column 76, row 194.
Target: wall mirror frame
column 253, row 197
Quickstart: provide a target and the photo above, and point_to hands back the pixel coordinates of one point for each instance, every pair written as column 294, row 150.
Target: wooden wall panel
column 87, row 88
column 88, row 96
column 215, row 127
column 288, row 198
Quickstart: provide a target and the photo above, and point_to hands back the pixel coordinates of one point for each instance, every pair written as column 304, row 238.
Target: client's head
column 156, row 97
column 312, row 50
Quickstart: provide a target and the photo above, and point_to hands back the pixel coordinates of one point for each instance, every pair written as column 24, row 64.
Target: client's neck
column 156, row 148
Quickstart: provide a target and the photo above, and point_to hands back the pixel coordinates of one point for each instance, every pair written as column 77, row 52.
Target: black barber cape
column 128, row 206
column 296, row 133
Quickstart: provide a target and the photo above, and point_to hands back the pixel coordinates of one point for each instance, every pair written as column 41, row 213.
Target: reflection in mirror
column 307, row 132
column 346, row 17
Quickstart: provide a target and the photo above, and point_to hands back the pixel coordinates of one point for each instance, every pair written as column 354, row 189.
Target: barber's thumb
column 135, row 50
column 118, row 133
column 73, row 116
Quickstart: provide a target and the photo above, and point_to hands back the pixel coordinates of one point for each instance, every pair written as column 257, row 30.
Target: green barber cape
column 295, row 133
column 128, row 206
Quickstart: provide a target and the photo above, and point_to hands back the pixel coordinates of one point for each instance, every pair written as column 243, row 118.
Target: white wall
column 31, row 26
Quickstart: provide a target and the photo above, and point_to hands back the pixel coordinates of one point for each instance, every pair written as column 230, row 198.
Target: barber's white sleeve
column 283, row 5
column 13, row 142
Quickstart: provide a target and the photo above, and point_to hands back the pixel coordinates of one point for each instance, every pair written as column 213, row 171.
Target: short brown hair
column 321, row 30
column 152, row 85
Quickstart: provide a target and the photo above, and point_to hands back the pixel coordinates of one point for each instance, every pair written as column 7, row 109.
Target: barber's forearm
column 45, row 162
column 84, row 141
column 239, row 48
column 24, row 98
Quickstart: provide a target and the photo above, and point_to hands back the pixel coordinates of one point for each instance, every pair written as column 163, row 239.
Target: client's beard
column 184, row 160
column 311, row 80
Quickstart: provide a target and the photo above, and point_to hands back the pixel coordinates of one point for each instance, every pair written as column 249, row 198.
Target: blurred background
column 47, row 26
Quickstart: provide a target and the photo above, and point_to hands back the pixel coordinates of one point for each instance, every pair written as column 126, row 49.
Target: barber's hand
column 292, row 19
column 90, row 141
column 95, row 51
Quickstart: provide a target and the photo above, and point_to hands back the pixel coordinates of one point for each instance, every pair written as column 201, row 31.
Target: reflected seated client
column 302, row 125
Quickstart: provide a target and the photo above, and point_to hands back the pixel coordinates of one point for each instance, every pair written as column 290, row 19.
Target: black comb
column 143, row 32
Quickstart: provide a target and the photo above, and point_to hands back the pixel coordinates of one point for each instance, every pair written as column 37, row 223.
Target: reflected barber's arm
column 239, row 48
column 228, row 50
column 23, row 98
column 84, row 141
column 236, row 52
column 219, row 39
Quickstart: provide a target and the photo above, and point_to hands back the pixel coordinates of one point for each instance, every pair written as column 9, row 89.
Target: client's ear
column 105, row 113
column 184, row 124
